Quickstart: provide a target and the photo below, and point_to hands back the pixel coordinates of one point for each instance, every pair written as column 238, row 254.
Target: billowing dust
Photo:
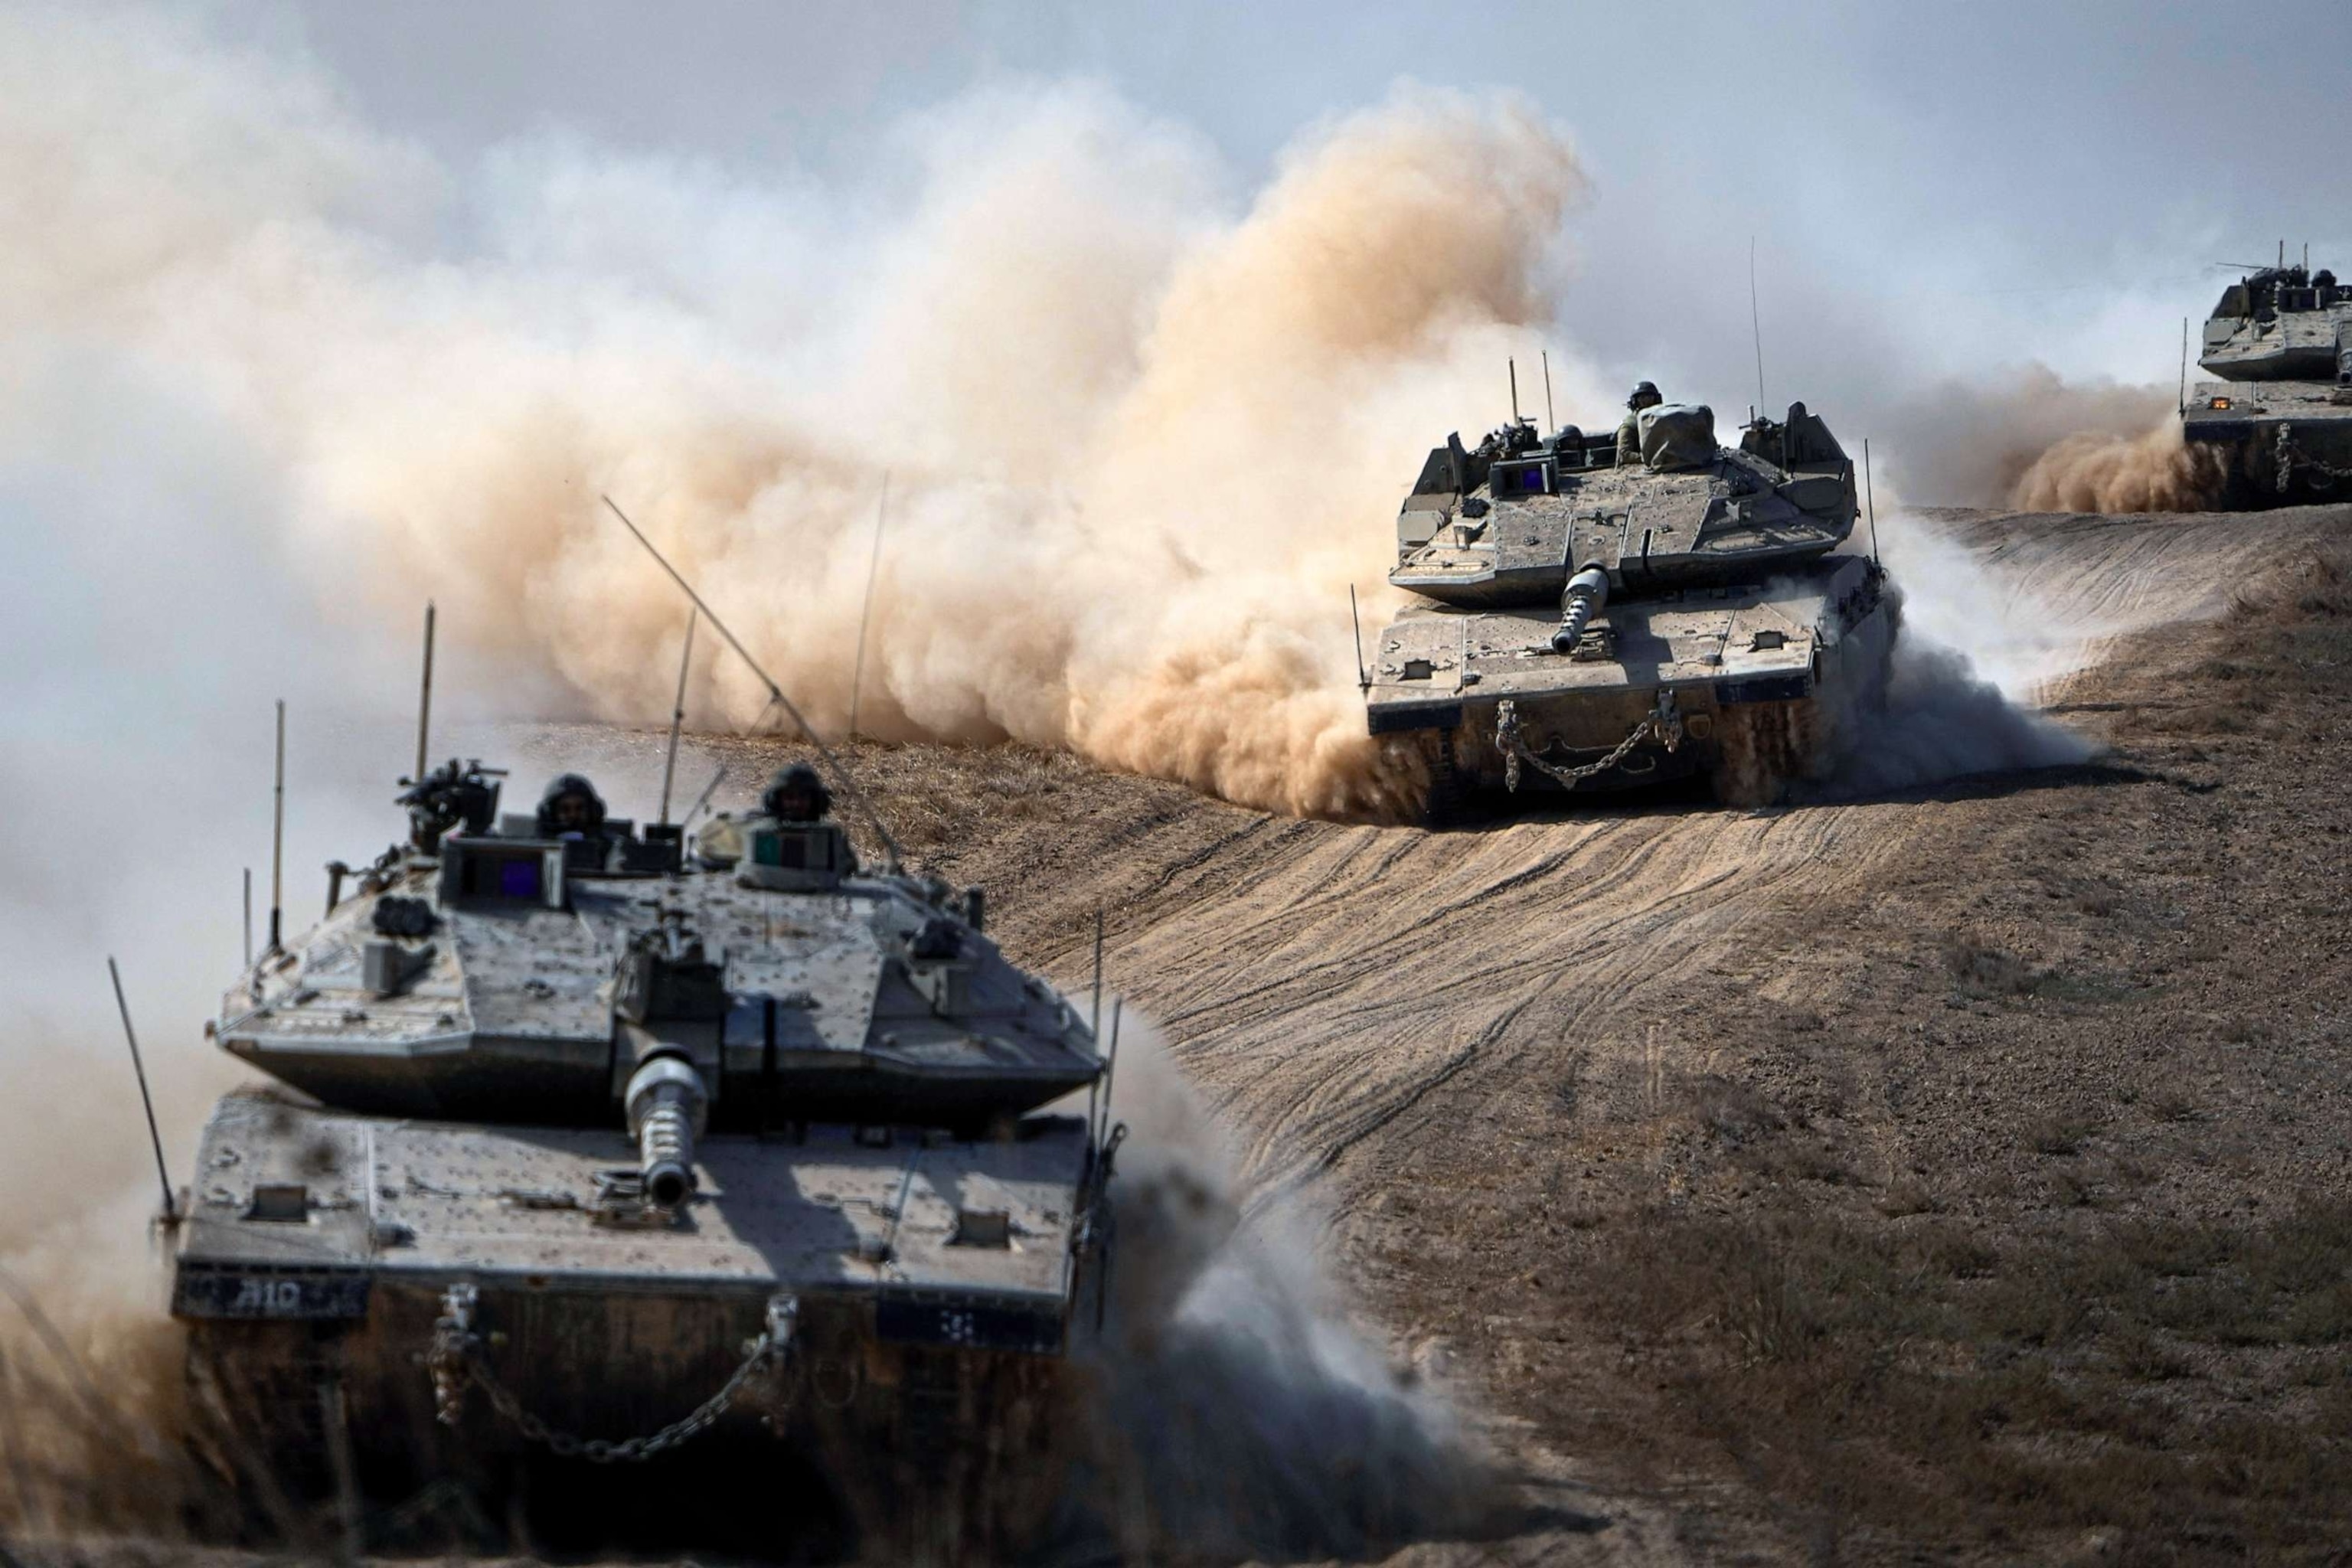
column 2155, row 470
column 1240, row 1414
column 2037, row 441
column 1138, row 435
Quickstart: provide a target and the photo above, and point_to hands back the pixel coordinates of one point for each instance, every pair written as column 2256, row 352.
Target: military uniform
column 1628, row 432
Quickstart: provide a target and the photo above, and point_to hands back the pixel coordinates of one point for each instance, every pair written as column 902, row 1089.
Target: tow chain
column 2290, row 458
column 456, row 1363
column 1664, row 720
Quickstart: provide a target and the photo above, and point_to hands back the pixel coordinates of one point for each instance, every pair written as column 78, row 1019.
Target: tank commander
column 1629, row 432
column 570, row 807
column 796, row 795
column 799, row 846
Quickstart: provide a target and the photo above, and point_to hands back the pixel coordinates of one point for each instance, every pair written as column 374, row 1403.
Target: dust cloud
column 1241, row 1414
column 1975, row 649
column 1133, row 428
column 2155, row 470
column 2035, row 441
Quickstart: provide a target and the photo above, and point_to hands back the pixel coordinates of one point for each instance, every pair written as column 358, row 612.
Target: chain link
column 1664, row 720
column 455, row 1361
column 2291, row 458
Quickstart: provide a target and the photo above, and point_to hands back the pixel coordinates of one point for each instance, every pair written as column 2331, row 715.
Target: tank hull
column 915, row 1407
column 1753, row 687
column 2282, row 443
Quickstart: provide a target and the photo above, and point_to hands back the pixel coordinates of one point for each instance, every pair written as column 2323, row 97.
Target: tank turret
column 1595, row 623
column 2278, row 423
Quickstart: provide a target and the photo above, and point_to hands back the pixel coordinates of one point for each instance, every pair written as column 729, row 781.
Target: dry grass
column 1913, row 1380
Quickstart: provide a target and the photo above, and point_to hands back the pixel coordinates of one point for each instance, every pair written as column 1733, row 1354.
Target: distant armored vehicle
column 2281, row 417
column 593, row 1141
column 1602, row 626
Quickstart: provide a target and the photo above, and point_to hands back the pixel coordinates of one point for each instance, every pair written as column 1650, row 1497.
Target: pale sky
column 1930, row 187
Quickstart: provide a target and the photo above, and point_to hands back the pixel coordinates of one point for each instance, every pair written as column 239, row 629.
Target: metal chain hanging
column 454, row 1362
column 1664, row 720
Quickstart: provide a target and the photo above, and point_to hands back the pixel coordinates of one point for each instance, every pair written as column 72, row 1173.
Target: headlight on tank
column 2217, row 402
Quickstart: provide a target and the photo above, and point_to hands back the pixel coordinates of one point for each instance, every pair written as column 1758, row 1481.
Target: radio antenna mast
column 2184, row 367
column 1363, row 680
column 1756, row 325
column 1871, row 494
column 278, row 839
column 1549, row 423
column 678, row 714
column 776, row 698
column 1513, row 366
column 162, row 1172
column 425, row 698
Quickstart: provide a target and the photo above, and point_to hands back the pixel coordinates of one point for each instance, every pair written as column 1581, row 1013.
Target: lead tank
column 2280, row 419
column 589, row 1145
column 1591, row 626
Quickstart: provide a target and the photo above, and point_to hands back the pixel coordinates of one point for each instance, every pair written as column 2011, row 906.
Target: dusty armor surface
column 604, row 1141
column 1601, row 627
column 2281, row 415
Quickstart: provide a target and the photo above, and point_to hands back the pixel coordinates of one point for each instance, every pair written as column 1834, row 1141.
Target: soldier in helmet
column 796, row 795
column 1628, row 432
column 570, row 807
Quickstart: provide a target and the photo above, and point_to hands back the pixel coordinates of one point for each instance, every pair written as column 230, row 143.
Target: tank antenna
column 425, row 698
column 873, row 569
column 162, row 1172
column 249, row 917
column 277, row 839
column 1548, row 422
column 776, row 698
column 2184, row 367
column 1513, row 366
column 1363, row 680
column 1110, row 1061
column 1094, row 1022
column 1756, row 325
column 1871, row 495
column 678, row 716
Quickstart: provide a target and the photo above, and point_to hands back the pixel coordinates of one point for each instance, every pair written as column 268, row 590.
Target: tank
column 1591, row 626
column 2280, row 417
column 721, row 1162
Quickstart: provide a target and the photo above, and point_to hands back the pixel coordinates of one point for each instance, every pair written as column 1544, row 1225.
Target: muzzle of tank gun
column 1587, row 592
column 668, row 1106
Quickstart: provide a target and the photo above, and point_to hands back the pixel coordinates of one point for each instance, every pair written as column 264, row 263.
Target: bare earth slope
column 1965, row 1172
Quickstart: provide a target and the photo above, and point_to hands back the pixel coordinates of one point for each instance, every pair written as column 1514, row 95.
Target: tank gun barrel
column 667, row 1106
column 1587, row 592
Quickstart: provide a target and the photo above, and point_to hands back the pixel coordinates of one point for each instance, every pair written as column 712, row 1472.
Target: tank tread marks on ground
column 2281, row 417
column 600, row 1131
column 1597, row 627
